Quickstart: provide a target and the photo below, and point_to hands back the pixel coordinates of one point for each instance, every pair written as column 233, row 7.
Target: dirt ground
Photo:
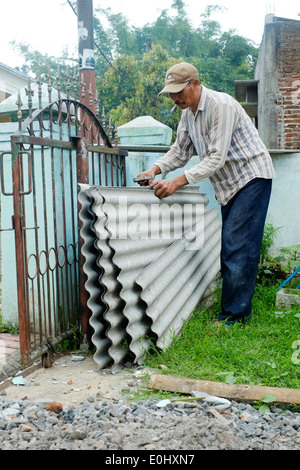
column 72, row 379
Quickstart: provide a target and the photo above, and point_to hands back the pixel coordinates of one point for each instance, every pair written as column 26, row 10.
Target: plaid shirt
column 230, row 150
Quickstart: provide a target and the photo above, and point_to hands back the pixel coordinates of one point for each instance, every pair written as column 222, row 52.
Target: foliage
column 264, row 408
column 72, row 343
column 130, row 89
column 270, row 270
column 273, row 268
column 130, row 62
column 8, row 327
column 269, row 236
column 221, row 58
column 291, row 256
column 43, row 65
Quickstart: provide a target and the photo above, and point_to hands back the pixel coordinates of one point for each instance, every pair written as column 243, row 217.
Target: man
column 232, row 155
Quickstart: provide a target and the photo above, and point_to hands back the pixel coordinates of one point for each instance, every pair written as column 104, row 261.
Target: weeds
column 260, row 352
column 269, row 236
column 9, row 327
column 72, row 343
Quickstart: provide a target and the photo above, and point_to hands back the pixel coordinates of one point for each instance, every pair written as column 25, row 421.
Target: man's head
column 182, row 84
column 178, row 76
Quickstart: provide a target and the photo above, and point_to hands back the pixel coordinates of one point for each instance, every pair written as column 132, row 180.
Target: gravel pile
column 152, row 426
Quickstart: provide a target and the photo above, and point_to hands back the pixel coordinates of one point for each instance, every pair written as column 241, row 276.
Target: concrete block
column 288, row 297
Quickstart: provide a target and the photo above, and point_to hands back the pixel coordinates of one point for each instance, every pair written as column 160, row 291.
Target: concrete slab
column 8, row 344
column 71, row 381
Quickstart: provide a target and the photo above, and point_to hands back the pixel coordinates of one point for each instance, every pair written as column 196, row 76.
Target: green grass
column 258, row 353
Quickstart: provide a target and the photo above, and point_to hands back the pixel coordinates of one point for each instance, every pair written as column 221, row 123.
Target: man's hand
column 151, row 172
column 165, row 188
column 144, row 179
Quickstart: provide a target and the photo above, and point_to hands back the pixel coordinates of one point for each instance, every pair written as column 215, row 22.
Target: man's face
column 188, row 97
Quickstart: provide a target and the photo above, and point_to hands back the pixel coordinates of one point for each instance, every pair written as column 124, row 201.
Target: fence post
column 24, row 324
column 83, row 177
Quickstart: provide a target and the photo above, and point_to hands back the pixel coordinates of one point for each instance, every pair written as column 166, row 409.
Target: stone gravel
column 153, row 426
column 95, row 411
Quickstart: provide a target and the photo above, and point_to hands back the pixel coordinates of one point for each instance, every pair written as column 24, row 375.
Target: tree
column 221, row 58
column 131, row 62
column 130, row 89
column 233, row 56
column 44, row 65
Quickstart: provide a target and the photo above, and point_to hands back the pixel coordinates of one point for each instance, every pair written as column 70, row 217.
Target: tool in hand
column 138, row 179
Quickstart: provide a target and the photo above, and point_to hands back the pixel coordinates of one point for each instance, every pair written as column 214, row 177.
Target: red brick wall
column 289, row 85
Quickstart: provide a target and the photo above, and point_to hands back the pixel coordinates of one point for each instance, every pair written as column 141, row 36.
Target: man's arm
column 178, row 155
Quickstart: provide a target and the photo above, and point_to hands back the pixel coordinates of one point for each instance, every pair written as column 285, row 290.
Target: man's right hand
column 152, row 172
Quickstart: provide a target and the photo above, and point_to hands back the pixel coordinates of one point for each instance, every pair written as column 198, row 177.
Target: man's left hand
column 165, row 188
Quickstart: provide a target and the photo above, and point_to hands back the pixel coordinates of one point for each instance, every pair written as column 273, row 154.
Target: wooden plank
column 237, row 391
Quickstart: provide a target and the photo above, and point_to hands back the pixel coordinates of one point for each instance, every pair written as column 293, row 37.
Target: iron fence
column 57, row 146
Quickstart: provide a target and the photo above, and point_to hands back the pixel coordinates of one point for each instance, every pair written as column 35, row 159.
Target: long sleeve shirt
column 229, row 147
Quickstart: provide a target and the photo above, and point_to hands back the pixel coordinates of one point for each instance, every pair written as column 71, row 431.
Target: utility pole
column 86, row 53
column 87, row 91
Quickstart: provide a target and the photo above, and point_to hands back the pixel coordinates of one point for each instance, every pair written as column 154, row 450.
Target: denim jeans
column 243, row 220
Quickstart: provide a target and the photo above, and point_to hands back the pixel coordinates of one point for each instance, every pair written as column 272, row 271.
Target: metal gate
column 56, row 148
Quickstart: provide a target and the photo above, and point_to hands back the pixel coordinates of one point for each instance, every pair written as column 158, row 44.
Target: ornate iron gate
column 56, row 148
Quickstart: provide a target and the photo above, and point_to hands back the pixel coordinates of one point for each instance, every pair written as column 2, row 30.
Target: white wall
column 284, row 209
column 10, row 81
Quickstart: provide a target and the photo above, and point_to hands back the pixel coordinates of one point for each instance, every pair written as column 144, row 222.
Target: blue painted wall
column 283, row 210
column 45, row 215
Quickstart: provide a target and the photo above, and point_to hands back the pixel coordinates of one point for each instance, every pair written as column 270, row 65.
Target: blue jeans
column 243, row 220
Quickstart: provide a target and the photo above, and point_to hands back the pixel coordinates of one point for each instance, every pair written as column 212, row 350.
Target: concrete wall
column 278, row 73
column 39, row 202
column 283, row 210
column 8, row 258
column 267, row 74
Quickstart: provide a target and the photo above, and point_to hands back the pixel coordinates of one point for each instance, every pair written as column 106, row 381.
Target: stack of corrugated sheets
column 149, row 262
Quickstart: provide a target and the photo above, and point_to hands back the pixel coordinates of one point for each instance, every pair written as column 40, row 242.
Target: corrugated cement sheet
column 148, row 262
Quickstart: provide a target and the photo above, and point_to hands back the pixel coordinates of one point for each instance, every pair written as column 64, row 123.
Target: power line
column 69, row 2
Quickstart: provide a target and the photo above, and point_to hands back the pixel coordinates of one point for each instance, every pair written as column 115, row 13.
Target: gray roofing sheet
column 175, row 282
column 154, row 260
column 91, row 268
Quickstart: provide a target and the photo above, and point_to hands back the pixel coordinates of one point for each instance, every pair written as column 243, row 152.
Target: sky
column 50, row 25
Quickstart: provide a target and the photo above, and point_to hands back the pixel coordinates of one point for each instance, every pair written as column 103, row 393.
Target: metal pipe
column 288, row 279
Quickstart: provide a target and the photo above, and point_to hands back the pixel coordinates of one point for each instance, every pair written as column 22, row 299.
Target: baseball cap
column 178, row 76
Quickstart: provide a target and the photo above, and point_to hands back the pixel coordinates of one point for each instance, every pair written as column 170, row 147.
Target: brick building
column 273, row 98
